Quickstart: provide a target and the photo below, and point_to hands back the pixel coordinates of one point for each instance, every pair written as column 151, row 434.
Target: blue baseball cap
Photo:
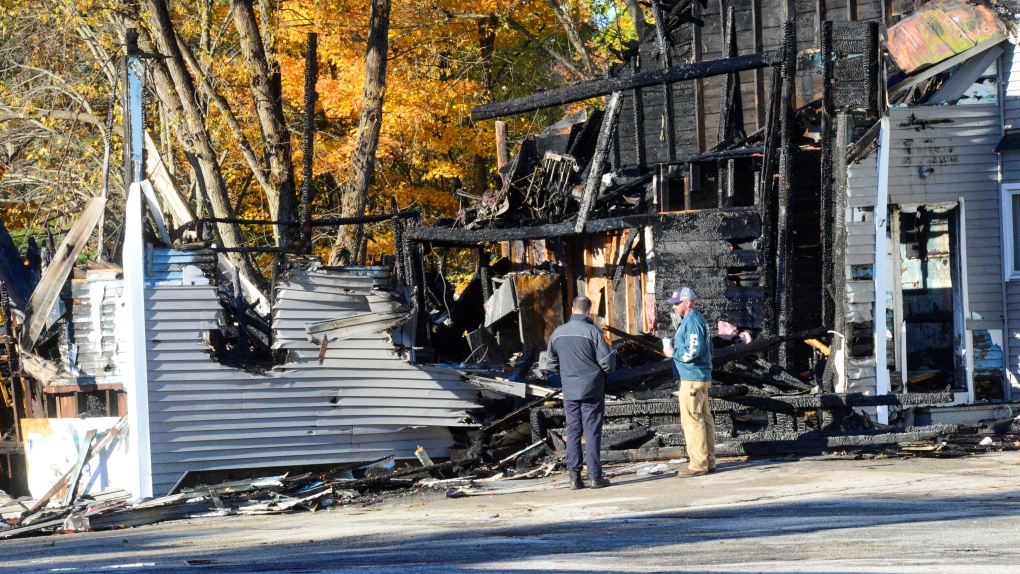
column 682, row 294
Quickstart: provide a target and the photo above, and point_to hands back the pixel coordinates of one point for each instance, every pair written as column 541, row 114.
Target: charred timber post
column 839, row 167
column 826, row 173
column 731, row 87
column 398, row 241
column 605, row 86
column 591, row 187
column 663, row 44
column 308, row 144
column 766, row 207
column 784, row 287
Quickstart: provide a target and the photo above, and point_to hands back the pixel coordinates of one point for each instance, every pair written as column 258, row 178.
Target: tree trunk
column 205, row 156
column 637, row 15
column 265, row 89
column 359, row 175
column 254, row 164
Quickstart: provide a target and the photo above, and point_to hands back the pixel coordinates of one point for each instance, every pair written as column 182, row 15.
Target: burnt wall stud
column 399, row 264
column 665, row 58
column 784, row 281
column 826, row 177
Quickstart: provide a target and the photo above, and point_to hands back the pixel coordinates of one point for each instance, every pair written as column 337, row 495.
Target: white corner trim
column 882, row 383
column 136, row 376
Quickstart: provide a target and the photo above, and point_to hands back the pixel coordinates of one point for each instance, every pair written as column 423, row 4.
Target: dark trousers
column 585, row 417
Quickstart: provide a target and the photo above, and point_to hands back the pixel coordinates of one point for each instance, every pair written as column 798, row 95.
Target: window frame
column 1007, row 192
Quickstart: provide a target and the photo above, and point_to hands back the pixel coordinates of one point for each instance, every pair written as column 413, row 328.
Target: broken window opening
column 925, row 327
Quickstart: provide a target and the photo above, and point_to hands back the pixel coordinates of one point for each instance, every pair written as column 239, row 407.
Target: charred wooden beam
column 864, row 144
column 398, row 241
column 605, row 86
column 828, row 150
column 407, row 214
column 665, row 57
column 838, row 262
column 731, row 83
column 729, row 111
column 765, row 201
column 591, row 186
column 729, row 353
column 784, row 280
column 719, row 155
column 446, row 236
column 735, row 222
column 698, row 23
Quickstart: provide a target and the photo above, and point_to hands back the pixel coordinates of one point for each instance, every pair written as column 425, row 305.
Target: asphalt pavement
column 810, row 515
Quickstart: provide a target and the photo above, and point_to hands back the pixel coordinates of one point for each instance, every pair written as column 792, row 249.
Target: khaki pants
column 698, row 424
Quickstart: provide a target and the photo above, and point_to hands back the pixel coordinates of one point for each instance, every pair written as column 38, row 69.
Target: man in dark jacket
column 581, row 356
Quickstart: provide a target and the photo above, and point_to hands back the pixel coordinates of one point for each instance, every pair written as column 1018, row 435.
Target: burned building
column 835, row 180
column 765, row 162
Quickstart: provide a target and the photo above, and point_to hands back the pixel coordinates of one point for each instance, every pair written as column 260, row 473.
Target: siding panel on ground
column 363, row 402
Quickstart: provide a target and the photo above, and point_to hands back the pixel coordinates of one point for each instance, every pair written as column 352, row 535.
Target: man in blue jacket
column 692, row 366
column 581, row 356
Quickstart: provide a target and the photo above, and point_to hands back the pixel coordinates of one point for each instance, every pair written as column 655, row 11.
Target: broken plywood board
column 540, row 303
column 52, row 448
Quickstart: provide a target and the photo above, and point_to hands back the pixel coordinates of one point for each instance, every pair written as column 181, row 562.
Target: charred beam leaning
column 591, row 186
column 605, row 86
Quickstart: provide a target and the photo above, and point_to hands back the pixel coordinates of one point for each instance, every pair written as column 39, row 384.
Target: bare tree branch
column 560, row 58
column 573, row 35
column 228, row 113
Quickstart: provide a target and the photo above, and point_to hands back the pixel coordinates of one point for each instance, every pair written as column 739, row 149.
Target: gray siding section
column 1010, row 63
column 364, row 401
column 940, row 154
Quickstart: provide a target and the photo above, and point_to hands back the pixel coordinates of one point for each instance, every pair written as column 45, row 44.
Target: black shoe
column 599, row 482
column 575, row 480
